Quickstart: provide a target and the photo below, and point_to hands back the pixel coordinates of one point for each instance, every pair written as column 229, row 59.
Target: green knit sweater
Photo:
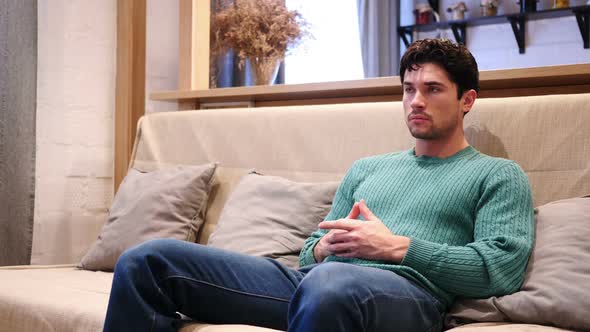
column 469, row 217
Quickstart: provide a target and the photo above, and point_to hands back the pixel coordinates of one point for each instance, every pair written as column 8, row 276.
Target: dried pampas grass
column 255, row 28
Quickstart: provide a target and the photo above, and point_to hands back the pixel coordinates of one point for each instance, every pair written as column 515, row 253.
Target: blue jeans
column 158, row 279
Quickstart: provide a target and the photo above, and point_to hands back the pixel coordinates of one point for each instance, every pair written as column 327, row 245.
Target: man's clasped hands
column 354, row 238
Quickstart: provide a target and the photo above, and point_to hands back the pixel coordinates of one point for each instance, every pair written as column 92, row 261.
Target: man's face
column 432, row 110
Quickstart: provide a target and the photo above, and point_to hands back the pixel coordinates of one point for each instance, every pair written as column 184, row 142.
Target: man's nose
column 418, row 101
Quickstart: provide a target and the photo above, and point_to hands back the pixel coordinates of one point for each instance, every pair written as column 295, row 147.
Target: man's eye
column 434, row 89
column 408, row 89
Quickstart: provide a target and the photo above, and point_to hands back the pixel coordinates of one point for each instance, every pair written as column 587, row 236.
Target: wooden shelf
column 493, row 83
column 353, row 88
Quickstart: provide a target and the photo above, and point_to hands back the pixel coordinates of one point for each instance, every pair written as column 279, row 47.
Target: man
column 407, row 233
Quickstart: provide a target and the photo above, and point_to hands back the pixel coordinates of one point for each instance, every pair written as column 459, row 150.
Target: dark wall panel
column 18, row 85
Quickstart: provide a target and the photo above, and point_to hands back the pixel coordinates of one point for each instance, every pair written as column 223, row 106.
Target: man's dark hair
column 458, row 62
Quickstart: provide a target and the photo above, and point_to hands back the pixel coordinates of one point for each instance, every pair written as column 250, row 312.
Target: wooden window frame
column 130, row 80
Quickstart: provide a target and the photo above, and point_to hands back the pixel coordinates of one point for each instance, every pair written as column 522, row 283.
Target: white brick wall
column 161, row 52
column 554, row 41
column 75, row 106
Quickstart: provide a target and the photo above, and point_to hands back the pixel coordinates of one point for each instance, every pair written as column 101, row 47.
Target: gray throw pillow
column 556, row 290
column 271, row 216
column 167, row 203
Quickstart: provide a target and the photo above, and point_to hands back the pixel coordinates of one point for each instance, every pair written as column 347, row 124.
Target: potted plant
column 258, row 31
column 489, row 7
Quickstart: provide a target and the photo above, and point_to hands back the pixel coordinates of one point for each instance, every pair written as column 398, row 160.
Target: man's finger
column 344, row 224
column 365, row 211
column 339, row 248
column 354, row 212
column 340, row 236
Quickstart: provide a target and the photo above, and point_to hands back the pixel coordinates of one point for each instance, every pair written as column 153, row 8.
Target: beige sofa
column 547, row 135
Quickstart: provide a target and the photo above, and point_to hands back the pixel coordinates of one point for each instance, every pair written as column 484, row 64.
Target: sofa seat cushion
column 508, row 327
column 64, row 298
column 476, row 327
column 198, row 327
column 53, row 298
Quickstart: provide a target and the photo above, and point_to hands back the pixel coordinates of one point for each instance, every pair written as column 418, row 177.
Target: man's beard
column 434, row 132
column 429, row 135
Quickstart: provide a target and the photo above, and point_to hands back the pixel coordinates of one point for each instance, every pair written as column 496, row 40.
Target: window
column 334, row 51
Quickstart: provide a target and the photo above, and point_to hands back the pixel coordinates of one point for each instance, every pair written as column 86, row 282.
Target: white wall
column 161, row 52
column 549, row 42
column 75, row 106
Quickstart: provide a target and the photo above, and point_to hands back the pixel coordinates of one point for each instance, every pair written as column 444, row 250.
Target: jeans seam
column 224, row 288
column 153, row 322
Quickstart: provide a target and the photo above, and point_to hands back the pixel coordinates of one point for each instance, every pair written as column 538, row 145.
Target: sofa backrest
column 549, row 136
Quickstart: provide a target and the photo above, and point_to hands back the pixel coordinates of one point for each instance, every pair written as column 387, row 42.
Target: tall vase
column 264, row 70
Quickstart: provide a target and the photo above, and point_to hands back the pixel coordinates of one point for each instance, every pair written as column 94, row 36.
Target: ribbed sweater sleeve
column 341, row 206
column 494, row 263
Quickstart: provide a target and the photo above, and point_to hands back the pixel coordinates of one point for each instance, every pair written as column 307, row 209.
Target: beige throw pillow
column 556, row 290
column 271, row 216
column 168, row 203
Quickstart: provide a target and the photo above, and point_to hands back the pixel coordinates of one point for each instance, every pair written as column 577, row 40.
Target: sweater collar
column 466, row 152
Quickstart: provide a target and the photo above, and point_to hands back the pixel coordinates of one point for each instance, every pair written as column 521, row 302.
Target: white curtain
column 378, row 21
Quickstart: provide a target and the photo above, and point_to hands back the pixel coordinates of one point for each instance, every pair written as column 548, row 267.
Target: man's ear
column 467, row 100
